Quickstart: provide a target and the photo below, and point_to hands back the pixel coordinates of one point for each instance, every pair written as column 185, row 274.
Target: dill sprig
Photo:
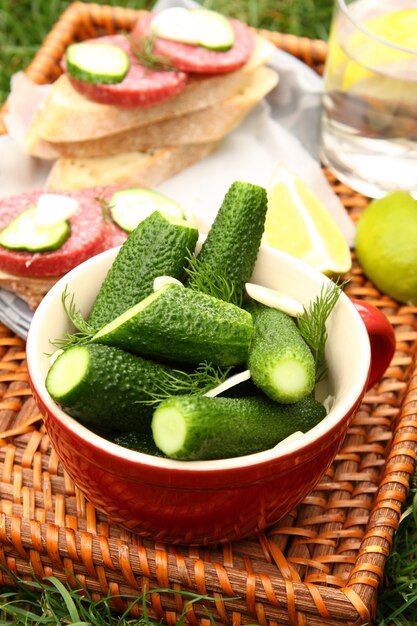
column 105, row 208
column 206, row 376
column 312, row 324
column 143, row 49
column 84, row 330
column 216, row 285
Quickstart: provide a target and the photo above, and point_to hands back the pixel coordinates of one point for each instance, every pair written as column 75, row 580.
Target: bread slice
column 205, row 125
column 67, row 116
column 146, row 169
column 31, row 290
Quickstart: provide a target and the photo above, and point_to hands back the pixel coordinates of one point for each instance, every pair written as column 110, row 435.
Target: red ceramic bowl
column 203, row 502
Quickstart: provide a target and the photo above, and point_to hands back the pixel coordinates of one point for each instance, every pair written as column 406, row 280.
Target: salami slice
column 194, row 58
column 141, row 86
column 114, row 235
column 88, row 236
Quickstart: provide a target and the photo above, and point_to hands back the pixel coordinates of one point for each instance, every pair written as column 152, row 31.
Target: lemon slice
column 371, row 54
column 298, row 222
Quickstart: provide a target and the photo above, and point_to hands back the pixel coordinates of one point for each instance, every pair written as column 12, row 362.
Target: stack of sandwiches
column 95, row 144
column 99, row 144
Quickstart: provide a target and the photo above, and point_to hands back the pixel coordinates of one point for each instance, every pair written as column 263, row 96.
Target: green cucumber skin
column 108, row 397
column 276, row 337
column 229, row 427
column 184, row 326
column 88, row 77
column 157, row 247
column 231, row 247
column 60, row 233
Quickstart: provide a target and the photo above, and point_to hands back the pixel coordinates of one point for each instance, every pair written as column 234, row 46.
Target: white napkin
column 252, row 154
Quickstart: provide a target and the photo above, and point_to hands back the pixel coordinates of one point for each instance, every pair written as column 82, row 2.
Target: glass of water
column 369, row 113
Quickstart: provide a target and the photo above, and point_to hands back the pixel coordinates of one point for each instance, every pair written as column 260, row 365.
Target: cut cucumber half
column 181, row 325
column 24, row 233
column 195, row 26
column 129, row 207
column 97, row 62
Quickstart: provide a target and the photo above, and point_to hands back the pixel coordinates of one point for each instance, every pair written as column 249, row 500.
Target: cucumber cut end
column 169, row 430
column 291, row 380
column 67, row 371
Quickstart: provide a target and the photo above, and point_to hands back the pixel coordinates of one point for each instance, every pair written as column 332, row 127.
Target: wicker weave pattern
column 322, row 564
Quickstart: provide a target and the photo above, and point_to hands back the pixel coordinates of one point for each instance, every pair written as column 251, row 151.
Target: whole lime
column 386, row 245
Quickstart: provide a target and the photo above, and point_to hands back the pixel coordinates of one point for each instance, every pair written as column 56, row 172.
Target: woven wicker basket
column 322, row 564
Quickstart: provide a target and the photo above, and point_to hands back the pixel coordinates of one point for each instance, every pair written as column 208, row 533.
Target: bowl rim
column 284, row 449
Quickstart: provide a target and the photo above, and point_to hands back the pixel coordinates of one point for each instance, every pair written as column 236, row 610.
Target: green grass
column 23, row 26
column 398, row 600
column 50, row 603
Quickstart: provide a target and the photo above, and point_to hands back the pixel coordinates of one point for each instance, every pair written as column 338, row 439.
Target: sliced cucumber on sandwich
column 202, row 27
column 25, row 233
column 97, row 62
column 128, row 207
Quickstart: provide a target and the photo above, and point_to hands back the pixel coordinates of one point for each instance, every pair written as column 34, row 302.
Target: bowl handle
column 382, row 339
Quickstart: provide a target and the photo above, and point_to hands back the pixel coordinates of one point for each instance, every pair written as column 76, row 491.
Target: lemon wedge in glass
column 299, row 223
column 382, row 48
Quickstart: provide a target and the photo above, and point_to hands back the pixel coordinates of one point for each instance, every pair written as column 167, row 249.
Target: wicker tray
column 322, row 564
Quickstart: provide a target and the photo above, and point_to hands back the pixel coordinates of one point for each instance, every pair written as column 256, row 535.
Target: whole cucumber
column 229, row 253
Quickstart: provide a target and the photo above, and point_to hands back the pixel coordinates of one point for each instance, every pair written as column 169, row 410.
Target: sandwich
column 171, row 98
column 44, row 235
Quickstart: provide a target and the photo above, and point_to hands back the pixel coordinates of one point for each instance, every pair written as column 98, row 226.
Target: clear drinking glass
column 369, row 115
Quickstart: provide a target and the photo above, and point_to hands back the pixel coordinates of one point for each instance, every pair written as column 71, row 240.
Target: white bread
column 31, row 290
column 205, row 125
column 68, row 116
column 146, row 169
